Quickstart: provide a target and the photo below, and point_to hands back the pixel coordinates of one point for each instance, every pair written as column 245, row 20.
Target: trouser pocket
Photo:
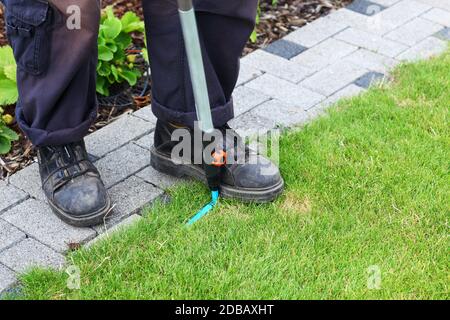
column 29, row 28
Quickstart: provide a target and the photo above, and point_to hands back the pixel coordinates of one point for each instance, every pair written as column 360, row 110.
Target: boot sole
column 85, row 221
column 164, row 164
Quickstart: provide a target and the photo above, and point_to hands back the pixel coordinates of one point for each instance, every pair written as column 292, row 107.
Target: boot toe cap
column 82, row 196
column 260, row 174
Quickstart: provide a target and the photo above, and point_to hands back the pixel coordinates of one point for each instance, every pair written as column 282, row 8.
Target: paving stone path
column 290, row 82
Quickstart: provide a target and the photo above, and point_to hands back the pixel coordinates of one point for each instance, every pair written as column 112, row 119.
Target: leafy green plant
column 114, row 64
column 8, row 95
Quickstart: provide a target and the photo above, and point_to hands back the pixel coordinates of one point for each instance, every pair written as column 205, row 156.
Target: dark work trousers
column 57, row 62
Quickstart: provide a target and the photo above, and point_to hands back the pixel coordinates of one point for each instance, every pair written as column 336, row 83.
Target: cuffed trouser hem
column 43, row 138
column 220, row 115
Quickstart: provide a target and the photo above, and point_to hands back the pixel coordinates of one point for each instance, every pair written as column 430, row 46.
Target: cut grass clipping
column 364, row 215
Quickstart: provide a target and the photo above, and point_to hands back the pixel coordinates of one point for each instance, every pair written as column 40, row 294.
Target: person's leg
column 55, row 45
column 224, row 28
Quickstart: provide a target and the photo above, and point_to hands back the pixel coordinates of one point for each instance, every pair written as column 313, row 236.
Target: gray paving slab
column 371, row 24
column 402, row 12
column 146, row 141
column 438, row 15
column 117, row 134
column 424, row 50
column 286, row 91
column 371, row 60
column 333, row 78
column 251, row 124
column 128, row 197
column 443, row 4
column 29, row 180
column 9, row 196
column 122, row 163
column 324, row 54
column 316, row 32
column 246, row 99
column 372, row 42
column 285, row 49
column 146, row 114
column 37, row 220
column 161, row 180
column 246, row 74
column 9, row 235
column 30, row 253
column 347, row 92
column 414, row 31
column 276, row 66
column 7, row 279
column 284, row 115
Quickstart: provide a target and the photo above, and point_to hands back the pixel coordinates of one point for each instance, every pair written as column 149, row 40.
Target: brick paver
column 334, row 78
column 122, row 163
column 437, row 15
column 316, row 32
column 9, row 196
column 276, row 66
column 371, row 60
column 116, row 135
column 9, row 235
column 286, row 91
column 423, row 50
column 31, row 253
column 414, row 31
column 289, row 83
column 32, row 217
column 372, row 42
column 324, row 54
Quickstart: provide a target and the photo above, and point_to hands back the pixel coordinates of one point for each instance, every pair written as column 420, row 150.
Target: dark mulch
column 275, row 22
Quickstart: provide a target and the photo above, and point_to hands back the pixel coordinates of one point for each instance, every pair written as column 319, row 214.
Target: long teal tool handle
column 200, row 88
column 196, row 68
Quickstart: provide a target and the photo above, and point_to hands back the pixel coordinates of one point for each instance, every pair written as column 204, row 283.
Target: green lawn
column 367, row 185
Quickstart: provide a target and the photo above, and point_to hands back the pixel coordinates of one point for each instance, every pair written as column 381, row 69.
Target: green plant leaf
column 123, row 40
column 5, row 145
column 101, row 86
column 8, row 133
column 132, row 23
column 8, row 92
column 10, row 72
column 6, row 57
column 111, row 46
column 130, row 76
column 115, row 72
column 105, row 54
column 103, row 69
column 111, row 27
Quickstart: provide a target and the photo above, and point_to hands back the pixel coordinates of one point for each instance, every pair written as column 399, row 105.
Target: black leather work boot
column 72, row 184
column 254, row 178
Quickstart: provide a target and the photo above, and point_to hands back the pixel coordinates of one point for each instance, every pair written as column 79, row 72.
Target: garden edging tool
column 214, row 166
